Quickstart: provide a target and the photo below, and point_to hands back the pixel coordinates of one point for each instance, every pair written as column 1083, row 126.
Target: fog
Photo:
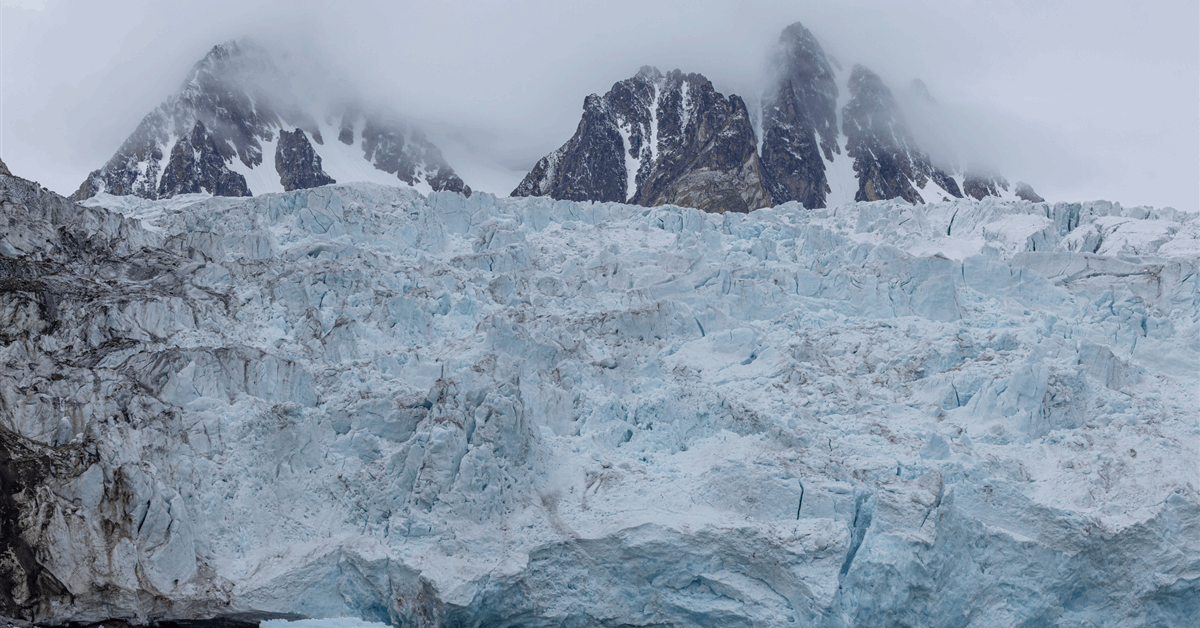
column 1083, row 100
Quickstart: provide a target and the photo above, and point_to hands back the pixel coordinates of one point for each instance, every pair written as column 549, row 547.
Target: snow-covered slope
column 356, row 400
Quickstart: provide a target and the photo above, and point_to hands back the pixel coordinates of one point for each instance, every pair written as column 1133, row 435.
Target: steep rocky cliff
column 657, row 139
column 887, row 161
column 799, row 120
column 298, row 165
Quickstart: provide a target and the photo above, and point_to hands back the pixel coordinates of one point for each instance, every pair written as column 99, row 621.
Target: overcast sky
column 1082, row 99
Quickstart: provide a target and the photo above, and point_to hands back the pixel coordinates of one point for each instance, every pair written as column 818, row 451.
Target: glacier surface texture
column 355, row 400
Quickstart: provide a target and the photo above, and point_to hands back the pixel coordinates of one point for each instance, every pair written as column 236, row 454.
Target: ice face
column 447, row 411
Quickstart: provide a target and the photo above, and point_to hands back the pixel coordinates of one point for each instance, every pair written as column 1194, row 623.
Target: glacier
column 360, row 401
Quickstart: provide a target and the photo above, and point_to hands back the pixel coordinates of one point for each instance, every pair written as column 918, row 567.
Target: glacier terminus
column 440, row 410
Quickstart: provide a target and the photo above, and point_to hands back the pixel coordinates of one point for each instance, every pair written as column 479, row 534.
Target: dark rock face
column 707, row 155
column 1025, row 192
column 589, row 167
column 243, row 100
column 298, row 165
column 196, row 166
column 404, row 152
column 887, row 161
column 800, row 121
column 655, row 139
column 4, row 169
column 978, row 185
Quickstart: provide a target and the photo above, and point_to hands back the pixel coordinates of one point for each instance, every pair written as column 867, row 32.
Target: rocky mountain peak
column 659, row 138
column 807, row 71
column 887, row 161
column 800, row 120
column 238, row 95
column 653, row 139
column 650, row 73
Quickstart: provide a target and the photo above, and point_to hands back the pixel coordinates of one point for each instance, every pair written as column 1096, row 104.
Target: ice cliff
column 356, row 400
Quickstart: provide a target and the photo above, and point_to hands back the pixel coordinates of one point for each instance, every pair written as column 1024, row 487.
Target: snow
column 348, row 164
column 632, row 163
column 839, row 173
column 654, row 119
column 263, row 178
column 499, row 411
column 931, row 192
column 685, row 111
column 148, row 213
column 172, row 137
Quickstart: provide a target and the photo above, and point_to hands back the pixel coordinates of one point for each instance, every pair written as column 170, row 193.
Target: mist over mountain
column 1035, row 84
column 814, row 133
column 237, row 128
column 817, row 133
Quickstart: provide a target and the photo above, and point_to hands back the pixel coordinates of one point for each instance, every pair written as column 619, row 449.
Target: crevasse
column 356, row 400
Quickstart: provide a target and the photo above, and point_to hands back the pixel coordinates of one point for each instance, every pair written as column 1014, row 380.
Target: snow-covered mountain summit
column 236, row 128
column 818, row 134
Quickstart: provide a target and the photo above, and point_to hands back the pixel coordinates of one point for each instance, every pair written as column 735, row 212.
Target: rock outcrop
column 196, row 165
column 657, row 139
column 298, row 165
column 1025, row 192
column 397, row 149
column 800, row 132
column 887, row 161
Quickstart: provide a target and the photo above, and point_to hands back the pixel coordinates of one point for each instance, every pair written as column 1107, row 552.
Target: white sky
column 1083, row 99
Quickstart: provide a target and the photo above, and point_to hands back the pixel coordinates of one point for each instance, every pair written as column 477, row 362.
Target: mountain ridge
column 244, row 104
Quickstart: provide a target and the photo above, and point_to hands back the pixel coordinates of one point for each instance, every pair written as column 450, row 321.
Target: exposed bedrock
column 298, row 165
column 657, row 139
